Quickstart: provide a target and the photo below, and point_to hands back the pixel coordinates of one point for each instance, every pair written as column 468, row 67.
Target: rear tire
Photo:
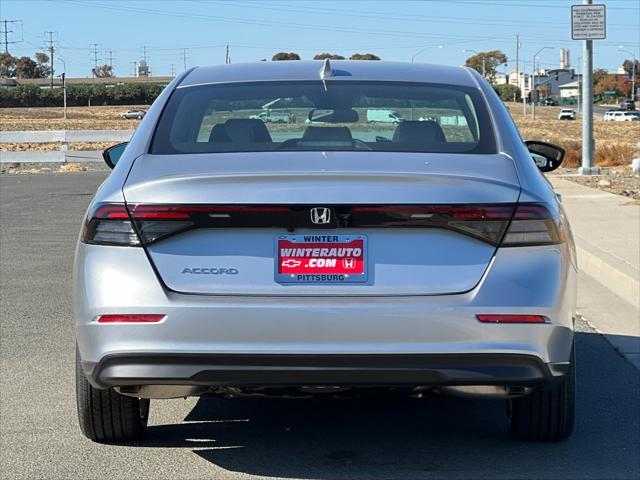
column 107, row 416
column 545, row 415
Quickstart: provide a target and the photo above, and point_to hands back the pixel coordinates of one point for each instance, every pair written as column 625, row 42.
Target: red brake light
column 131, row 318
column 509, row 318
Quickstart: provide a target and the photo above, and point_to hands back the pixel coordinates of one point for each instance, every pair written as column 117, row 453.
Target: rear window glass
column 309, row 115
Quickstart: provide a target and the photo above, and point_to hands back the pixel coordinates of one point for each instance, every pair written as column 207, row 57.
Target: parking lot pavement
column 209, row 438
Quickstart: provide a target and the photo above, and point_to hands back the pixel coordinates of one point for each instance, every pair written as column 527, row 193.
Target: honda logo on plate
column 320, row 216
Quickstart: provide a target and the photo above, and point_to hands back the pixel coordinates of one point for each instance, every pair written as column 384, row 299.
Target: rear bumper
column 262, row 370
column 232, row 340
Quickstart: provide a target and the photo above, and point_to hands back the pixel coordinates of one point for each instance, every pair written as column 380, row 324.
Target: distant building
column 142, row 69
column 564, row 59
column 570, row 90
column 548, row 81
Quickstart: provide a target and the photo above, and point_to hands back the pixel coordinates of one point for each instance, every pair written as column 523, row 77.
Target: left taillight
column 109, row 224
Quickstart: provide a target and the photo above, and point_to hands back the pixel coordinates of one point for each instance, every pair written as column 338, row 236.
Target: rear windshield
column 310, row 115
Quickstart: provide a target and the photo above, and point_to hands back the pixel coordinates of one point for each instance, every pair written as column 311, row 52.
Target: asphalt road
column 347, row 439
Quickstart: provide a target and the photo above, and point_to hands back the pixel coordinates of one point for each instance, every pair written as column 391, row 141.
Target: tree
column 26, row 68
column 364, row 56
column 628, row 67
column 612, row 82
column 103, row 71
column 507, row 92
column 490, row 59
column 285, row 56
column 330, row 56
column 44, row 70
column 599, row 74
column 7, row 65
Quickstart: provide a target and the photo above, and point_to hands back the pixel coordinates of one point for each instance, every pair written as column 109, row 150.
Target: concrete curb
column 620, row 283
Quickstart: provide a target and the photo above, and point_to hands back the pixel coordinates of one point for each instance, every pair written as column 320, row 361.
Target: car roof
column 344, row 70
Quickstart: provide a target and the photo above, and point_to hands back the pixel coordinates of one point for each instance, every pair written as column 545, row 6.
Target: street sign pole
column 588, row 23
column 587, row 110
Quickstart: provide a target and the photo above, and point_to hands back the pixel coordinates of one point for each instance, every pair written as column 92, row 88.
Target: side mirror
column 546, row 156
column 112, row 154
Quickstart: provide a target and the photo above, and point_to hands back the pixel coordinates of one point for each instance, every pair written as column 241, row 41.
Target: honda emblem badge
column 320, row 216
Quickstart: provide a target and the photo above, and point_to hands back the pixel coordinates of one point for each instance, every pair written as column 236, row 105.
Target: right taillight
column 533, row 224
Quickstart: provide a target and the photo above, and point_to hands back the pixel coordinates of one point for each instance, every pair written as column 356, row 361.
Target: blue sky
column 256, row 29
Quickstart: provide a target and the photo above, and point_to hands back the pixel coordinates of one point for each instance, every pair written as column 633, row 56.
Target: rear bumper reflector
column 131, row 318
column 508, row 318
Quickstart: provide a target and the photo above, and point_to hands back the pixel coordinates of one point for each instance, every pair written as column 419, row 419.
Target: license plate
column 321, row 259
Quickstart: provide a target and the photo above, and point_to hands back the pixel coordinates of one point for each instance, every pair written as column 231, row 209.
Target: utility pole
column 173, row 70
column 227, row 58
column 51, row 50
column 533, row 85
column 518, row 59
column 95, row 59
column 524, row 88
column 184, row 58
column 134, row 65
column 6, row 32
column 633, row 71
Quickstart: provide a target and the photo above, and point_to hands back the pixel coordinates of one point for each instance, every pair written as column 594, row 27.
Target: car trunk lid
column 414, row 216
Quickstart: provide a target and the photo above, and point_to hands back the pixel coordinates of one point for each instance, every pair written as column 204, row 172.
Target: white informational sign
column 588, row 22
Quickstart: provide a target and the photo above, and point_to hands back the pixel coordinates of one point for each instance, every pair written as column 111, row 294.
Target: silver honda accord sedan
column 399, row 235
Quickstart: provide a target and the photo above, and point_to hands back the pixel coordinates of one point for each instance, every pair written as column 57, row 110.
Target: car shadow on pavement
column 418, row 438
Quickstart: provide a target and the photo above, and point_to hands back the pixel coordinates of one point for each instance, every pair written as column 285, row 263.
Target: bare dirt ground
column 618, row 180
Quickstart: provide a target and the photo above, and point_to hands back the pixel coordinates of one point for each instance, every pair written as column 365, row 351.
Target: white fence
column 63, row 137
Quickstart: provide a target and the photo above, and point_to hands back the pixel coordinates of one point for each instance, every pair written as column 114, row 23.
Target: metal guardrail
column 63, row 137
column 51, row 156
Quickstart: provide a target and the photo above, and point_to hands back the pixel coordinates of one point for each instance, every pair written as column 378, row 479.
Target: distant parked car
column 139, row 114
column 628, row 104
column 550, row 102
column 622, row 116
column 609, row 113
column 274, row 117
column 383, row 116
column 567, row 114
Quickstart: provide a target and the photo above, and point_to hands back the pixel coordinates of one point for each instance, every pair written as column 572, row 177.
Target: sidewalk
column 606, row 228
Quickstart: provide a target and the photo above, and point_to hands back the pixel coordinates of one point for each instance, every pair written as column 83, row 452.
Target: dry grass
column 45, row 147
column 616, row 142
column 78, row 118
column 73, row 167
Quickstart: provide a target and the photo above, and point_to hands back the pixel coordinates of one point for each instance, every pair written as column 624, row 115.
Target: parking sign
column 588, row 22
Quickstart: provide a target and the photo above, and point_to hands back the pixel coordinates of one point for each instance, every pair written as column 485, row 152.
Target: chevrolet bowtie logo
column 320, row 216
